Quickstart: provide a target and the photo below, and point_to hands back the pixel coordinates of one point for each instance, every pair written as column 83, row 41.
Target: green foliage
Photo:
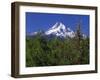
column 43, row 52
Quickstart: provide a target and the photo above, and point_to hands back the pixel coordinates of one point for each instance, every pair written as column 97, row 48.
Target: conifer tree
column 78, row 41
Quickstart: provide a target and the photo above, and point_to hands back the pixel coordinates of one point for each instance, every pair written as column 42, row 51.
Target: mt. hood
column 60, row 30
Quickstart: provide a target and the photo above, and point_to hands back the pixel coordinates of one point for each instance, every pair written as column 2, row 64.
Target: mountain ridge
column 59, row 30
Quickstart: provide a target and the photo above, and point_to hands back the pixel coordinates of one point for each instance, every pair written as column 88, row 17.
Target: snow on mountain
column 33, row 33
column 84, row 36
column 59, row 29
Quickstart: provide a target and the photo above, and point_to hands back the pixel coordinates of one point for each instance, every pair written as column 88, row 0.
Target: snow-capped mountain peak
column 58, row 26
column 59, row 29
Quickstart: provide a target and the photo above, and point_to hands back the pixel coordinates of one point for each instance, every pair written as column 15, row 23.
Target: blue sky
column 43, row 21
